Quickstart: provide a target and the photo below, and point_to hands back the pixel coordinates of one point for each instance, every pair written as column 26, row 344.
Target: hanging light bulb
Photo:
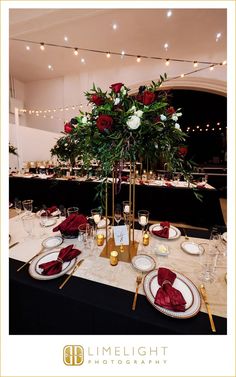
column 195, row 64
column 76, row 52
column 42, row 47
column 138, row 59
column 182, row 75
column 167, row 62
column 211, row 68
column 108, row 55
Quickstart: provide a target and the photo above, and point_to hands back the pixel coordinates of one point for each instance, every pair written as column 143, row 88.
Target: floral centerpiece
column 121, row 127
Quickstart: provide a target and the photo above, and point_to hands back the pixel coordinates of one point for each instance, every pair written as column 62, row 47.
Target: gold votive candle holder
column 100, row 239
column 146, row 239
column 114, row 258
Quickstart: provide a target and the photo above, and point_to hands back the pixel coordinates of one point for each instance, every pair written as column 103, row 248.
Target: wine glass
column 43, row 215
column 28, row 223
column 208, row 260
column 86, row 236
column 96, row 215
column 117, row 214
column 18, row 208
column 143, row 217
column 28, row 206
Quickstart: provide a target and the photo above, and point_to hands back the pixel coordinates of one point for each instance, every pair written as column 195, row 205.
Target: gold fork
column 138, row 282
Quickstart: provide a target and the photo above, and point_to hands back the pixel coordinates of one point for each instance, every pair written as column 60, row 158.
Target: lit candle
column 96, row 218
column 146, row 239
column 114, row 258
column 143, row 220
column 100, row 239
column 126, row 209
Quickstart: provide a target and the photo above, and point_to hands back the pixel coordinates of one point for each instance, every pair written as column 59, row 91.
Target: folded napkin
column 164, row 232
column 71, row 223
column 55, row 266
column 168, row 184
column 167, row 296
column 201, row 185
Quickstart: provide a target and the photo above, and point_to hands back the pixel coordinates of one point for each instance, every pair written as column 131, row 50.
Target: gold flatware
column 14, row 244
column 138, row 282
column 185, row 234
column 72, row 272
column 30, row 260
column 204, row 296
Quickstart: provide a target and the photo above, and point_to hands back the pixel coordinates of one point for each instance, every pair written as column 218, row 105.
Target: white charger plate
column 184, row 285
column 36, row 272
column 174, row 232
column 192, row 248
column 143, row 262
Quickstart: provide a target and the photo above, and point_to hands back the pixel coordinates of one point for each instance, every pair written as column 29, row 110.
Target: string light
column 166, row 46
column 108, row 55
column 169, row 13
column 82, row 60
column 65, row 38
column 195, row 64
column 182, row 75
column 114, row 26
column 42, row 47
column 211, row 68
column 76, row 52
column 167, row 62
column 138, row 59
column 27, row 48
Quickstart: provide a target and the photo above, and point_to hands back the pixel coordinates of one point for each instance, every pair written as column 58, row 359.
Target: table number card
column 121, row 235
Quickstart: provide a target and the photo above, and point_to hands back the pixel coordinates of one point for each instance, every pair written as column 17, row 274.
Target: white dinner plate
column 52, row 242
column 36, row 272
column 192, row 248
column 224, row 236
column 174, row 232
column 143, row 262
column 184, row 285
column 50, row 221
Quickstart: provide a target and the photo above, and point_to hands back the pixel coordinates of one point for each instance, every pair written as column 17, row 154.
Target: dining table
column 98, row 297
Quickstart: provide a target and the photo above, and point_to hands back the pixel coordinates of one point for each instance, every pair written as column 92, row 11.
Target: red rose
column 170, row 110
column 68, row 128
column 139, row 97
column 148, row 97
column 116, row 87
column 96, row 99
column 183, row 151
column 157, row 119
column 104, row 122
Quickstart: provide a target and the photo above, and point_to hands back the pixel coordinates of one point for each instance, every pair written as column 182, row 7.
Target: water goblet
column 71, row 210
column 28, row 223
column 143, row 217
column 43, row 215
column 28, row 206
column 18, row 208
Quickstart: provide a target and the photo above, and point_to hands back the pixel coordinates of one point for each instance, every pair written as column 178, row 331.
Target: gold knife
column 30, row 260
column 204, row 296
column 72, row 272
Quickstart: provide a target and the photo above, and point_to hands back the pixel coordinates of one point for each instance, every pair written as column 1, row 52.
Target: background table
column 175, row 204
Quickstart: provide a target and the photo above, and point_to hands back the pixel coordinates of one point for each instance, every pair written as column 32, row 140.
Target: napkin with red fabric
column 164, row 232
column 55, row 266
column 71, row 223
column 168, row 184
column 167, row 296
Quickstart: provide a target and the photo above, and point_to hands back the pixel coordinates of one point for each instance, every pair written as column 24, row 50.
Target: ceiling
column 190, row 33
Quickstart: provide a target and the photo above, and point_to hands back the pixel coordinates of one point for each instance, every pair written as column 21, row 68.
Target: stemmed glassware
column 86, row 236
column 28, row 205
column 96, row 215
column 18, row 208
column 43, row 219
column 143, row 217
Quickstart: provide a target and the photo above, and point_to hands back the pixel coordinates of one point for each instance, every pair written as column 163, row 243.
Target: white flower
column 178, row 114
column 162, row 117
column 133, row 109
column 84, row 120
column 66, row 144
column 117, row 101
column 123, row 90
column 177, row 126
column 139, row 113
column 174, row 117
column 133, row 122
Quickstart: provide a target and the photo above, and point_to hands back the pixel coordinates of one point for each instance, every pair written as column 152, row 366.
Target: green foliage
column 12, row 149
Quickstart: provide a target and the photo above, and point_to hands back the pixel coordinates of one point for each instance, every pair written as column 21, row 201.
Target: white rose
column 84, row 120
column 179, row 114
column 123, row 90
column 174, row 117
column 139, row 113
column 162, row 117
column 117, row 101
column 133, row 122
column 66, row 144
column 177, row 126
column 133, row 109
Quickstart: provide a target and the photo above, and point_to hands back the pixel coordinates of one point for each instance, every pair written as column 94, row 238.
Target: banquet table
column 98, row 297
column 176, row 203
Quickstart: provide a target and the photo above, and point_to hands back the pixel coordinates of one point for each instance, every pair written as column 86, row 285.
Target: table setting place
column 180, row 275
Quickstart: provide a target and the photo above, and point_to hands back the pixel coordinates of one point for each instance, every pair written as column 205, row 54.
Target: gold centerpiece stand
column 125, row 252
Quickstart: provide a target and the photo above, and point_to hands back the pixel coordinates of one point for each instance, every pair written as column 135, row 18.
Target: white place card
column 121, row 236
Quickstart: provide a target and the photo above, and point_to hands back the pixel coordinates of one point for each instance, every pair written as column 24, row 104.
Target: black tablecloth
column 85, row 307
column 164, row 203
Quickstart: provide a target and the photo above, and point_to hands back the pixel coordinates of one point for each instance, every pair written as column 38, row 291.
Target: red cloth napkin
column 201, row 185
column 168, row 184
column 167, row 296
column 164, row 232
column 55, row 266
column 52, row 209
column 71, row 223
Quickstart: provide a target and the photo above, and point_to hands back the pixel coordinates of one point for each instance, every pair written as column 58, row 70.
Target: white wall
column 32, row 144
column 19, row 94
